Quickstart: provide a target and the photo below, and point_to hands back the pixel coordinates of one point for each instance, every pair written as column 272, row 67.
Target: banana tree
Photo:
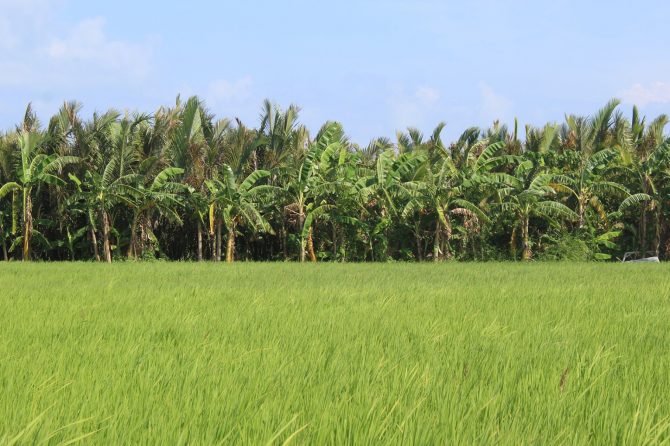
column 526, row 195
column 588, row 184
column 302, row 188
column 437, row 194
column 100, row 193
column 386, row 189
column 160, row 195
column 449, row 182
column 34, row 170
column 239, row 203
column 647, row 165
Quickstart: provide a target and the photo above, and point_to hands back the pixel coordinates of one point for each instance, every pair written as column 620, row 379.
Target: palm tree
column 186, row 150
column 279, row 137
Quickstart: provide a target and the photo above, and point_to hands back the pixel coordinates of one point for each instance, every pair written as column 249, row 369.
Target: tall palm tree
column 186, row 150
column 279, row 136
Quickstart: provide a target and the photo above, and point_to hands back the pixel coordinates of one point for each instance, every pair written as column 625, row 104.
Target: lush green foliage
column 335, row 354
column 179, row 184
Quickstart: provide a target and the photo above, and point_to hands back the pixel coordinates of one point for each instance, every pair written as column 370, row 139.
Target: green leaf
column 164, row 176
column 253, row 178
column 9, row 187
column 634, row 200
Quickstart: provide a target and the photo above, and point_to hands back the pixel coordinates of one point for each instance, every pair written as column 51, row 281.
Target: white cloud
column 413, row 108
column 39, row 51
column 232, row 98
column 226, row 91
column 87, row 43
column 23, row 21
column 494, row 106
column 427, row 96
column 655, row 93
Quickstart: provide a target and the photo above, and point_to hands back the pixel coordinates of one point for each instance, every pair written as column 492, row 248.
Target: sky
column 377, row 66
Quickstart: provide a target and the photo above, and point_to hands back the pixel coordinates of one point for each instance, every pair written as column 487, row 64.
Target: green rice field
column 272, row 354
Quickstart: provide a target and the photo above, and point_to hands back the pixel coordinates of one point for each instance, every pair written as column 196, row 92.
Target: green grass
column 334, row 354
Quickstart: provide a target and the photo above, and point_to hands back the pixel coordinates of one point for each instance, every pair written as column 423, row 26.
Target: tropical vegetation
column 181, row 184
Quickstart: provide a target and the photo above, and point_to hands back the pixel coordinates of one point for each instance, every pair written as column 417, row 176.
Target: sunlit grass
column 334, row 354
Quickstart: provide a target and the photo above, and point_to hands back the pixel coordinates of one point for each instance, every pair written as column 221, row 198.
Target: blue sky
column 376, row 66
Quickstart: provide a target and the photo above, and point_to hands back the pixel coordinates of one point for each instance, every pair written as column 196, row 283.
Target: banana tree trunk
column 27, row 223
column 447, row 238
column 643, row 232
column 70, row 244
column 581, row 213
column 310, row 246
column 513, row 244
column 230, row 244
column 199, row 241
column 15, row 212
column 527, row 253
column 94, row 242
column 94, row 238
column 284, row 240
column 301, row 219
column 417, row 239
column 436, row 242
column 4, row 245
column 643, row 223
column 106, row 246
column 218, row 240
column 657, row 235
column 132, row 249
column 372, row 249
column 212, row 244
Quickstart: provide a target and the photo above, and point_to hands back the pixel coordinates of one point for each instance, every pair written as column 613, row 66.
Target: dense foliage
column 179, row 184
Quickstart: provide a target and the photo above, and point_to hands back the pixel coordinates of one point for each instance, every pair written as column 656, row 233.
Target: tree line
column 181, row 184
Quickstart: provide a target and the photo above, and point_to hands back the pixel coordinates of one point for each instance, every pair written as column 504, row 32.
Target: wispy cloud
column 87, row 43
column 655, row 93
column 223, row 90
column 232, row 97
column 39, row 50
column 412, row 108
column 494, row 105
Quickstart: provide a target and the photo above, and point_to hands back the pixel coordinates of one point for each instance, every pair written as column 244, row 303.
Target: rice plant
column 179, row 353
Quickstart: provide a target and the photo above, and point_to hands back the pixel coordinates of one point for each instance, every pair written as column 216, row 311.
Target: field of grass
column 168, row 353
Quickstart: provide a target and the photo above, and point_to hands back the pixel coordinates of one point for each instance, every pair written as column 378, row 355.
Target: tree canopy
column 180, row 184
